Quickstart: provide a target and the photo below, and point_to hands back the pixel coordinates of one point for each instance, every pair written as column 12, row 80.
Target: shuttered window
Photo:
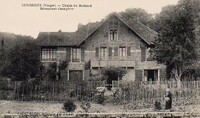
column 76, row 54
column 103, row 53
column 122, row 52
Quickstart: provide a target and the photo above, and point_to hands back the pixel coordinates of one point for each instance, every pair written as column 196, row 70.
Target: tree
column 137, row 14
column 113, row 73
column 23, row 61
column 175, row 45
column 2, row 56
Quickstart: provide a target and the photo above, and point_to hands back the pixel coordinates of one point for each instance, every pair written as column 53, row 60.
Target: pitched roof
column 145, row 33
column 57, row 39
column 66, row 38
column 85, row 31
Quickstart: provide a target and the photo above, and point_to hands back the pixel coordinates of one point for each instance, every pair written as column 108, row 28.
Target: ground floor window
column 150, row 75
column 48, row 54
column 76, row 54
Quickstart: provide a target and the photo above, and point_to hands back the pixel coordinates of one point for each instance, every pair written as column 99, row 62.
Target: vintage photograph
column 100, row 58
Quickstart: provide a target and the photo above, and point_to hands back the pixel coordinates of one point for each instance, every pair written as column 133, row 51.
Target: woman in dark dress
column 168, row 100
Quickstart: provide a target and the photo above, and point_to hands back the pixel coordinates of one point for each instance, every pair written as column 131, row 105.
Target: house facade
column 112, row 42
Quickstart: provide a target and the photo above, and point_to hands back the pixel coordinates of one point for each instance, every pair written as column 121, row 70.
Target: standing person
column 168, row 99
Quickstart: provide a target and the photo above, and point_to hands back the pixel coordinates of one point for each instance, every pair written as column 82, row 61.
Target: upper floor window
column 149, row 55
column 76, row 54
column 103, row 52
column 48, row 54
column 122, row 52
column 113, row 34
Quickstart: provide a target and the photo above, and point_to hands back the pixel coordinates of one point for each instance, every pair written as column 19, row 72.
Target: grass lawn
column 56, row 107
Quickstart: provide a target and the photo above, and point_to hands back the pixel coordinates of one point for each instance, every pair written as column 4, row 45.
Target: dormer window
column 113, row 34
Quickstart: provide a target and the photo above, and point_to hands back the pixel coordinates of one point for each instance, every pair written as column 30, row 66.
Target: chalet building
column 112, row 42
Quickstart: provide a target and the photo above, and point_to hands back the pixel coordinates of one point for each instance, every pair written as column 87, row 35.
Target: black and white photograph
column 100, row 58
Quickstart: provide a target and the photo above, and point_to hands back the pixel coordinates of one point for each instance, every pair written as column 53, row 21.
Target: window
column 48, row 54
column 116, row 51
column 122, row 52
column 76, row 54
column 113, row 34
column 149, row 55
column 150, row 75
column 103, row 53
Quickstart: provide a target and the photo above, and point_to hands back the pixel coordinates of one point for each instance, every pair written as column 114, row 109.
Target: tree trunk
column 178, row 74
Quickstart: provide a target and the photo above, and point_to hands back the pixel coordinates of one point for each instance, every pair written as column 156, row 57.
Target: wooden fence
column 149, row 92
column 136, row 92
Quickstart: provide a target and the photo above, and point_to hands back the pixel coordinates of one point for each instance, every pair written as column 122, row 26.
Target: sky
column 17, row 18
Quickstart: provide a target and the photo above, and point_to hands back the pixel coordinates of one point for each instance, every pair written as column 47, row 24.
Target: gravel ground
column 56, row 107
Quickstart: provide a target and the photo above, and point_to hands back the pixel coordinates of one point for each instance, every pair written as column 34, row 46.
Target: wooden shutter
column 128, row 51
column 143, row 54
column 68, row 54
column 82, row 54
column 110, row 51
column 97, row 52
column 116, row 51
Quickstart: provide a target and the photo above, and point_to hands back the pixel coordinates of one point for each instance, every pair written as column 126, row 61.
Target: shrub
column 69, row 105
column 99, row 98
column 85, row 106
column 157, row 105
column 51, row 71
column 113, row 73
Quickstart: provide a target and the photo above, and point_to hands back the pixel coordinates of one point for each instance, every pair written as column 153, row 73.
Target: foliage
column 69, row 105
column 22, row 61
column 63, row 65
column 157, row 105
column 51, row 72
column 87, row 65
column 176, row 38
column 85, row 106
column 113, row 73
column 4, row 85
column 137, row 14
column 82, row 90
column 99, row 98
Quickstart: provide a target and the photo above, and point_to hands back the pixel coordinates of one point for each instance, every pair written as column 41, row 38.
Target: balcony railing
column 119, row 63
column 76, row 65
column 49, row 60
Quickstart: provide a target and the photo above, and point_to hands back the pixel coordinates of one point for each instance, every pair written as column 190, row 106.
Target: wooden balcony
column 48, row 60
column 76, row 65
column 117, row 63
